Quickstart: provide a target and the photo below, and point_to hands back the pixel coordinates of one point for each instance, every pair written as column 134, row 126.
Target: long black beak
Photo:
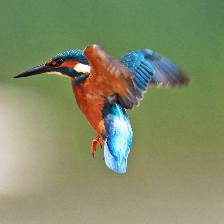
column 34, row 71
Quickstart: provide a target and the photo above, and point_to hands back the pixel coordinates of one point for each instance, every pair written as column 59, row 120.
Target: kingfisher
column 105, row 88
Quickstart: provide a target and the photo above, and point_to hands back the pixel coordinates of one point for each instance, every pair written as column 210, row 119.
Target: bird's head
column 71, row 64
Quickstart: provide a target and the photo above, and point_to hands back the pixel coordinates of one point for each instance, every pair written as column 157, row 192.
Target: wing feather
column 129, row 79
column 148, row 67
column 112, row 76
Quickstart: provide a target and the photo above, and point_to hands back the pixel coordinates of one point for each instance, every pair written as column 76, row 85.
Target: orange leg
column 97, row 141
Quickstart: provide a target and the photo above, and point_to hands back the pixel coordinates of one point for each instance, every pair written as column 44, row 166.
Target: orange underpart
column 91, row 104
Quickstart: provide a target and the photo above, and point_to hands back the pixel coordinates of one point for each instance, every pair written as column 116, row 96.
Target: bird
column 105, row 88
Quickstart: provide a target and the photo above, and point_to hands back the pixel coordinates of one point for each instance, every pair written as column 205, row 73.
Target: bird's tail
column 118, row 137
column 118, row 166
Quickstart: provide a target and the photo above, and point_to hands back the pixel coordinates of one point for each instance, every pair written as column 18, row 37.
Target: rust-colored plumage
column 104, row 88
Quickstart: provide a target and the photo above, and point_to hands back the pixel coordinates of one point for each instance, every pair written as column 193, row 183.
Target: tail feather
column 118, row 166
column 118, row 137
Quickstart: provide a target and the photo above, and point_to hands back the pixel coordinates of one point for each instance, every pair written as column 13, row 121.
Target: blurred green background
column 176, row 168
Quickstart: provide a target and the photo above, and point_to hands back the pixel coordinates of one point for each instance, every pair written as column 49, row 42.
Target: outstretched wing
column 149, row 68
column 112, row 76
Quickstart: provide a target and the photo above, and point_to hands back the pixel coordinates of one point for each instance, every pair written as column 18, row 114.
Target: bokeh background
column 176, row 168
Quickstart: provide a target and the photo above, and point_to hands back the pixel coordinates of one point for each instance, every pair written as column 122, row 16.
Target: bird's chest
column 91, row 103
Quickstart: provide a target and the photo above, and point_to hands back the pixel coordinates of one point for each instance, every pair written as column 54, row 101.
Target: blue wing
column 149, row 68
column 118, row 137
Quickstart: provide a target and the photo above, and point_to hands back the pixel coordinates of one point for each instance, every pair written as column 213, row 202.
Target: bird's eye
column 55, row 62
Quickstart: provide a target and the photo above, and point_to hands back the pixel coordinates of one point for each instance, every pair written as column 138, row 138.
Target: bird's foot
column 97, row 141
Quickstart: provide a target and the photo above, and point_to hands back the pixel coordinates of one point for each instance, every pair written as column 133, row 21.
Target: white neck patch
column 81, row 68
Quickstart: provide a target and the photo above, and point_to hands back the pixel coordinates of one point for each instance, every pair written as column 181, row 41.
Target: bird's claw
column 97, row 141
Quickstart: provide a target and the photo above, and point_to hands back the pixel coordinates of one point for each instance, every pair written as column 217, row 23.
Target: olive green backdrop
column 176, row 168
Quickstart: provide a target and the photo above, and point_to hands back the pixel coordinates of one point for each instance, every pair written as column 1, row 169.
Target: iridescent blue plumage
column 149, row 68
column 118, row 137
column 104, row 88
column 71, row 55
column 76, row 55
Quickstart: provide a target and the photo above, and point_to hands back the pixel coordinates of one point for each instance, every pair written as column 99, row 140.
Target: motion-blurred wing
column 149, row 68
column 111, row 76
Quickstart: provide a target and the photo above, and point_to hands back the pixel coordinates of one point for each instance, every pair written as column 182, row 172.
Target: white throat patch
column 81, row 68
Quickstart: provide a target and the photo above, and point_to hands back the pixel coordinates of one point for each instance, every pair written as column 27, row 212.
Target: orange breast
column 91, row 103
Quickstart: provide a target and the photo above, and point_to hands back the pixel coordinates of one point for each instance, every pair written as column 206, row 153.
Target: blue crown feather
column 77, row 55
